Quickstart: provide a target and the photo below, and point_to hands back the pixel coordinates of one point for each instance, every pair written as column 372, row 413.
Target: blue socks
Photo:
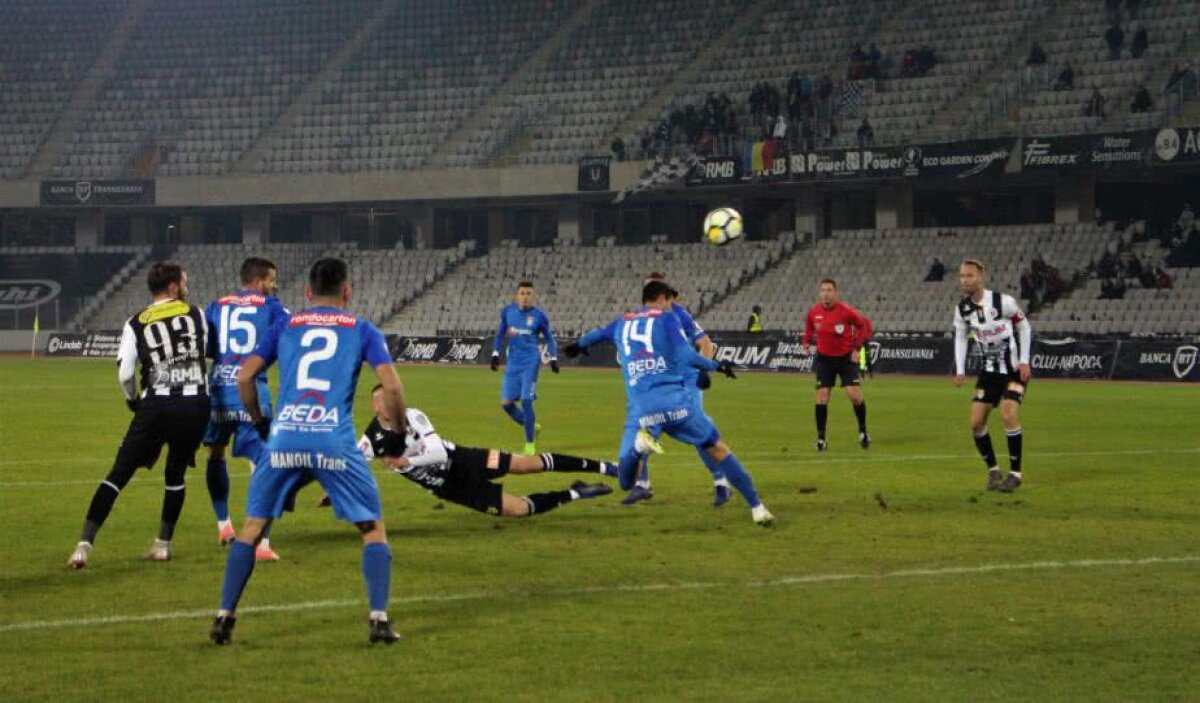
column 627, row 469
column 514, row 412
column 711, row 464
column 530, row 420
column 739, row 479
column 218, row 487
column 377, row 570
column 238, row 567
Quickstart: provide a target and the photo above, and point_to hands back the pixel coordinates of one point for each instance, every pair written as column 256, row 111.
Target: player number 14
column 630, row 331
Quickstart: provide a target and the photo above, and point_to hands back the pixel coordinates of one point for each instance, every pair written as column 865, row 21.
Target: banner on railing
column 80, row 193
column 1086, row 151
column 594, row 173
column 102, row 345
column 1177, row 145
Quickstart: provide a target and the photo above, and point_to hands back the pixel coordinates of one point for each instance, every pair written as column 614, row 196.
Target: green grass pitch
column 890, row 575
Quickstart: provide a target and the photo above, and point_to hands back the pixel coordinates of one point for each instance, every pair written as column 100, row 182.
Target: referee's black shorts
column 831, row 368
column 175, row 421
column 469, row 480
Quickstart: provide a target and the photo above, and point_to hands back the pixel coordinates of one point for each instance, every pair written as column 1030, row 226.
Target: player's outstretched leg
column 537, row 503
column 563, row 463
column 740, row 478
column 216, row 475
column 101, row 505
column 377, row 572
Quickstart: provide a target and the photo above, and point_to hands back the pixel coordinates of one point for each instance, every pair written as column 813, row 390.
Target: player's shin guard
column 530, row 420
column 217, row 476
column 1015, row 438
column 740, row 479
column 172, row 506
column 545, row 502
column 860, row 412
column 983, row 442
column 713, row 466
column 377, row 571
column 102, row 502
column 239, row 564
column 822, row 413
column 514, row 412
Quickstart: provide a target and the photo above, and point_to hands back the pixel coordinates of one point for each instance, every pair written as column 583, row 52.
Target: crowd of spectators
column 1041, row 284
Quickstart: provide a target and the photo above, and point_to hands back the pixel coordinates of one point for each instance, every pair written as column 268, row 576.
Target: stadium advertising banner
column 1178, row 145
column 717, row 170
column 846, row 164
column 966, row 159
column 75, row 193
column 1086, row 152
column 102, row 345
column 442, row 350
column 1157, row 361
column 594, row 173
column 1072, row 358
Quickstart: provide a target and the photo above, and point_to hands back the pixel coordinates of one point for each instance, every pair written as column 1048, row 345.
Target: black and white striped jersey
column 998, row 326
column 168, row 340
column 427, row 453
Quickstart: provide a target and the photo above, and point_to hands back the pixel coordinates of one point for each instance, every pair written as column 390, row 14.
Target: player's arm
column 210, row 348
column 247, row 382
column 377, row 356
column 551, row 343
column 680, row 348
column 960, row 347
column 127, row 357
column 595, row 336
column 498, row 342
column 863, row 329
column 1024, row 336
column 431, row 448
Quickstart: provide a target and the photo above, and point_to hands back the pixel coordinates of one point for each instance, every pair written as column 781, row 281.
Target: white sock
column 721, row 482
column 1015, row 473
column 224, row 613
column 379, row 615
column 644, row 484
column 265, row 543
column 574, row 494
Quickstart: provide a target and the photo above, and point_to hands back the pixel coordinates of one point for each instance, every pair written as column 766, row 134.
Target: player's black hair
column 830, row 281
column 655, row 276
column 327, row 276
column 656, row 289
column 163, row 274
column 524, row 284
column 256, row 268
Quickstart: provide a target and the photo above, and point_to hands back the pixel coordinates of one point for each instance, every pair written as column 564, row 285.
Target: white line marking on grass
column 771, row 457
column 784, row 582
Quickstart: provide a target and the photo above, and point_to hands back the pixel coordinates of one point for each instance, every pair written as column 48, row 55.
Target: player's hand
column 958, row 380
column 726, row 367
column 398, row 463
column 554, row 365
column 392, row 445
column 263, row 427
column 133, row 404
column 854, row 357
column 1025, row 372
column 703, row 381
column 495, row 361
column 573, row 350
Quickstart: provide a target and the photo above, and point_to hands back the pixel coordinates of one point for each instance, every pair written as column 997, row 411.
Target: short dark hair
column 256, row 268
column 655, row 276
column 656, row 289
column 830, row 281
column 524, row 284
column 163, row 274
column 378, row 387
column 327, row 276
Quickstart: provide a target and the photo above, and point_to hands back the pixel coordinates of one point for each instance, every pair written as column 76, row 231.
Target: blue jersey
column 691, row 329
column 656, row 358
column 521, row 328
column 320, row 352
column 237, row 323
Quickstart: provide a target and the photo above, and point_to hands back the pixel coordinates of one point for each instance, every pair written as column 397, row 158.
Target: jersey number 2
column 329, row 342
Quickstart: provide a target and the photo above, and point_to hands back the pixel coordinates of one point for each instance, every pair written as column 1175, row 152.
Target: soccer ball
column 722, row 226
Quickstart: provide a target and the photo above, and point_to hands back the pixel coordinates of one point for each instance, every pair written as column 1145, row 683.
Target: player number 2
column 329, row 342
column 645, row 336
column 231, row 322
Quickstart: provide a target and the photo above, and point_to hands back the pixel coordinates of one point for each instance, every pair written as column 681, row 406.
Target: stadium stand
column 882, row 271
column 85, row 275
column 46, row 47
column 580, row 287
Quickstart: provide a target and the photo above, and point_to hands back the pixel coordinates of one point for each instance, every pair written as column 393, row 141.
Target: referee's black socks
column 1014, row 450
column 860, row 412
column 822, row 419
column 983, row 442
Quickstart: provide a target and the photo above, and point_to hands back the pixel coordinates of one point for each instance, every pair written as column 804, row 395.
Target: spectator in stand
column 866, row 134
column 1037, row 55
column 1066, row 78
column 754, row 326
column 1148, row 277
column 824, row 87
column 926, row 60
column 1184, row 225
column 781, row 128
column 874, row 56
column 1183, row 79
column 805, row 88
column 793, row 85
column 618, row 149
column 1142, row 102
column 908, row 64
column 757, row 103
column 1164, row 279
column 796, row 106
column 1134, row 268
column 1095, row 105
column 1119, row 288
column 937, row 271
column 1115, row 38
column 1141, row 42
column 1106, row 288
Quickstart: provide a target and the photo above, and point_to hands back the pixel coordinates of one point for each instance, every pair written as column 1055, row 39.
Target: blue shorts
column 519, row 383
column 686, row 424
column 351, row 485
column 246, row 442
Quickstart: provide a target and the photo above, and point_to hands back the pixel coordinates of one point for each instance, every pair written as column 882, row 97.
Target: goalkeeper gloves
column 726, row 367
column 495, row 360
column 703, row 381
column 263, row 427
column 554, row 365
column 573, row 350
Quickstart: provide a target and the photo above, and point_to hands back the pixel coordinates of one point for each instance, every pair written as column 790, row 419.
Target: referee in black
column 169, row 341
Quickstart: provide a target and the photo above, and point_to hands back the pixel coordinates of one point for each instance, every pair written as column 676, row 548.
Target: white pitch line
column 784, row 582
column 759, row 458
